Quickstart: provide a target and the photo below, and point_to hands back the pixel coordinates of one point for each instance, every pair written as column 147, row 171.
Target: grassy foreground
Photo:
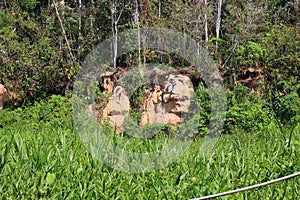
column 48, row 161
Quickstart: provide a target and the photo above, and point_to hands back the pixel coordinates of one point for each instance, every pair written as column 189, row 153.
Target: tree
column 218, row 23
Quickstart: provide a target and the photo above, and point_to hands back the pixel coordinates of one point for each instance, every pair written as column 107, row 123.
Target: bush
column 287, row 108
column 204, row 109
column 55, row 112
column 247, row 116
column 246, row 112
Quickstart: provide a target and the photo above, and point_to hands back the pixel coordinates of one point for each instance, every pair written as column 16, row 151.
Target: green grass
column 48, row 162
column 42, row 157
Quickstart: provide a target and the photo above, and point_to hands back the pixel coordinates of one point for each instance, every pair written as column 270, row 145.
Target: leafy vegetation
column 49, row 161
column 43, row 44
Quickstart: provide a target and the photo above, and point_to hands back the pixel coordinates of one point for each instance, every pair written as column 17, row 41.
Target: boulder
column 168, row 101
column 117, row 108
column 3, row 96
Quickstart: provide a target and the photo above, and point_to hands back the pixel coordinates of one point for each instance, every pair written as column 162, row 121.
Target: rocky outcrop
column 168, row 101
column 117, row 108
column 3, row 96
column 253, row 78
column 107, row 82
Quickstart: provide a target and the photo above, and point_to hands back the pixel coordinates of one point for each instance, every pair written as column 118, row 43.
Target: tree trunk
column 115, row 43
column 159, row 8
column 218, row 24
column 114, row 30
column 115, row 19
column 205, row 25
column 136, row 22
column 79, row 20
column 136, row 14
column 63, row 30
column 92, row 22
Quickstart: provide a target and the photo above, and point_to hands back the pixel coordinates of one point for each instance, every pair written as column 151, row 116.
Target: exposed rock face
column 117, row 108
column 3, row 96
column 167, row 103
column 253, row 78
column 108, row 83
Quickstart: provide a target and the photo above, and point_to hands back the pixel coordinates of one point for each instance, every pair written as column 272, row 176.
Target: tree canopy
column 43, row 43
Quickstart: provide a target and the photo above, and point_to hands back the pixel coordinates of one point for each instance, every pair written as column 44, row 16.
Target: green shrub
column 287, row 108
column 247, row 116
column 250, row 54
column 204, row 109
column 246, row 112
column 282, row 58
column 10, row 117
column 55, row 112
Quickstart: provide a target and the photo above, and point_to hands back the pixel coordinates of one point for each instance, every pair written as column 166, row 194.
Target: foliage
column 135, row 84
column 55, row 112
column 251, row 54
column 204, row 109
column 247, row 116
column 52, row 162
column 41, row 51
column 31, row 65
column 34, row 58
column 245, row 112
column 283, row 57
column 287, row 108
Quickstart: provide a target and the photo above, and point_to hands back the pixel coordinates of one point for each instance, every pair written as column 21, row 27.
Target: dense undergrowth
column 42, row 157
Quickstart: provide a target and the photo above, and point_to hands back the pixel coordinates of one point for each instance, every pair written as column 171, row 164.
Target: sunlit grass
column 52, row 163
